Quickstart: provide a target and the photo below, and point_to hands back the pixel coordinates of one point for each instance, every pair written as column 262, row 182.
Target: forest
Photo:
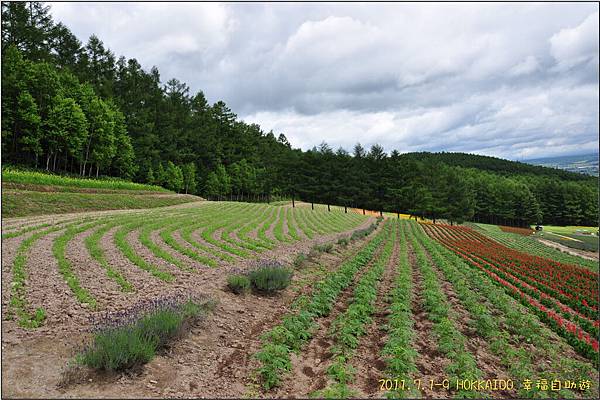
column 76, row 108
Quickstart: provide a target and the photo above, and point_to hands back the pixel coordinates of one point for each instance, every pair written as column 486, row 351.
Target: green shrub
column 238, row 283
column 118, row 347
column 271, row 278
column 299, row 260
column 323, row 247
column 343, row 241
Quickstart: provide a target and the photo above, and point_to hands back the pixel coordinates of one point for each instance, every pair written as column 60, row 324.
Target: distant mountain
column 498, row 165
column 584, row 164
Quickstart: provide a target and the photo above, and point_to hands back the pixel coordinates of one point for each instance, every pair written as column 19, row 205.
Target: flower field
column 565, row 296
column 400, row 310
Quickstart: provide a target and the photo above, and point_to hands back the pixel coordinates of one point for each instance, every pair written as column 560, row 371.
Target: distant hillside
column 583, row 164
column 497, row 165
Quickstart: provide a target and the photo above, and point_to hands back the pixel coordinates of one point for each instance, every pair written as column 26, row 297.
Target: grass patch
column 22, row 203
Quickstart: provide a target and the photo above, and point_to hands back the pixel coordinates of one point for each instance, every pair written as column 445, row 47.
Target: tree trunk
column 97, row 169
column 48, row 160
column 312, row 205
column 328, row 208
column 54, row 162
column 398, row 217
column 345, row 209
column 363, row 211
column 293, row 203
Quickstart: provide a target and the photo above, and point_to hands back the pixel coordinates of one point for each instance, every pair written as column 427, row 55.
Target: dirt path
column 588, row 255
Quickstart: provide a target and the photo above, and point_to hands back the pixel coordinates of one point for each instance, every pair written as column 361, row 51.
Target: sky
column 517, row 81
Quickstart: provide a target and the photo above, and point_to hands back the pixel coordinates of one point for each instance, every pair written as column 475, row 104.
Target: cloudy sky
column 517, row 81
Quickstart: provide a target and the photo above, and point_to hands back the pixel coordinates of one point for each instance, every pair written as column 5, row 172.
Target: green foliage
column 173, row 177
column 270, row 279
column 189, row 177
column 343, row 241
column 238, row 284
column 20, row 203
column 323, row 247
column 299, row 260
column 218, row 182
column 17, row 175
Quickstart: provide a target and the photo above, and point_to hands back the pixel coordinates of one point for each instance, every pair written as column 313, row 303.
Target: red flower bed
column 518, row 231
column 562, row 295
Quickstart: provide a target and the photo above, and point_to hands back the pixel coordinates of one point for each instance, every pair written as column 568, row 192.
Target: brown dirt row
column 430, row 362
column 309, row 367
column 370, row 366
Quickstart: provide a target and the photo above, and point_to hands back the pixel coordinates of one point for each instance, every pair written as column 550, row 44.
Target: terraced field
column 411, row 310
column 529, row 245
column 103, row 261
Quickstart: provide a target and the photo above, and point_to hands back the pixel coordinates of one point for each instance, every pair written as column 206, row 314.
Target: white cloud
column 572, row 46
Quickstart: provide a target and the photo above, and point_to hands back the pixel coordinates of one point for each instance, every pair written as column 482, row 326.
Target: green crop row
column 296, row 328
column 349, row 327
column 398, row 351
column 451, row 342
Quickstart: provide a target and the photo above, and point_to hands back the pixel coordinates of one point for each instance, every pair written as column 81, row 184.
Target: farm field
column 577, row 237
column 529, row 245
column 391, row 314
column 58, row 271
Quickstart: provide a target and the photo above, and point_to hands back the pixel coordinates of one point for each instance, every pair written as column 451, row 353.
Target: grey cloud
column 510, row 80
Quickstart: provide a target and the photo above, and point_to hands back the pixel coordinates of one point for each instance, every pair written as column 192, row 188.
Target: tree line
column 71, row 107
